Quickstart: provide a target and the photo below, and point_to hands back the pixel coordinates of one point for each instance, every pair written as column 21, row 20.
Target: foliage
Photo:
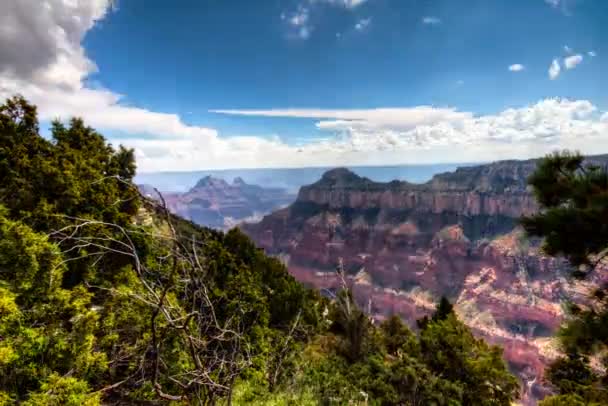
column 63, row 391
column 451, row 351
column 81, row 281
column 574, row 199
column 107, row 298
column 443, row 365
column 573, row 194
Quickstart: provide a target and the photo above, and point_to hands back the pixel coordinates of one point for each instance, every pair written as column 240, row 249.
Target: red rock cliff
column 405, row 245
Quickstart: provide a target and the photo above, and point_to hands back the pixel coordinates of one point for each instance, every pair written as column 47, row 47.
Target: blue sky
column 319, row 82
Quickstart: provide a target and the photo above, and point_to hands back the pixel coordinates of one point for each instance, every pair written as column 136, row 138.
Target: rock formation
column 215, row 203
column 405, row 245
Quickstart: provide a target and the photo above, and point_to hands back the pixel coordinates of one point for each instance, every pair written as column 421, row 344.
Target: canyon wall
column 405, row 245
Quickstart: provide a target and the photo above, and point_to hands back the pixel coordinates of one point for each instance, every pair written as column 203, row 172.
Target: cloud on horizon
column 445, row 132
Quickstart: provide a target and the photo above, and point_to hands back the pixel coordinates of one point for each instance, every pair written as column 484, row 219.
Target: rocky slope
column 405, row 245
column 215, row 203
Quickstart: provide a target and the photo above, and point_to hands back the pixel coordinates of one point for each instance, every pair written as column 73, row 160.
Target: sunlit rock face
column 405, row 245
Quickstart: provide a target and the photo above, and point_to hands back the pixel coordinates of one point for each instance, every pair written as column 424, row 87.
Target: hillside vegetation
column 107, row 298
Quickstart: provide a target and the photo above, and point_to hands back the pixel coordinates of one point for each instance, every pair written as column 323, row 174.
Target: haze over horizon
column 196, row 85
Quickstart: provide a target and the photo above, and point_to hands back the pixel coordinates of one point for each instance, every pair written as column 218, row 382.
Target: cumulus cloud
column 53, row 74
column 41, row 42
column 431, row 20
column 516, row 67
column 592, row 53
column 392, row 136
column 554, row 69
column 573, row 61
column 384, row 133
column 424, row 119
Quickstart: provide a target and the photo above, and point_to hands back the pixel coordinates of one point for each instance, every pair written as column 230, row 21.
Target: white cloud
column 363, row 24
column 431, row 20
column 428, row 134
column 53, row 75
column 393, row 136
column 300, row 18
column 567, row 49
column 592, row 53
column 408, row 119
column 413, row 135
column 41, row 41
column 55, row 82
column 565, row 6
column 571, row 62
column 350, row 4
column 554, row 69
column 299, row 22
column 353, row 3
column 517, row 67
column 395, row 118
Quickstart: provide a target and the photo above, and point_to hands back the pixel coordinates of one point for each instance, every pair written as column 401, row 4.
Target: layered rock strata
column 405, row 245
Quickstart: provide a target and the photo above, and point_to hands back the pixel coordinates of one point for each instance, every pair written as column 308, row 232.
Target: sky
column 215, row 84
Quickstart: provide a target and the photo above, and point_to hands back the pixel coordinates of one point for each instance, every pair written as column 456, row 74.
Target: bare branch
column 174, row 286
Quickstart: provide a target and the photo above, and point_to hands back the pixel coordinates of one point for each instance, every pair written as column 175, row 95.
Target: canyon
column 405, row 245
column 215, row 203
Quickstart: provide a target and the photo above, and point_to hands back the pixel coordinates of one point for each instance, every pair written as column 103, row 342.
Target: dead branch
column 176, row 289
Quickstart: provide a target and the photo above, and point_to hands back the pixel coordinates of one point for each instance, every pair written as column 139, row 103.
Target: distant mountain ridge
column 288, row 178
column 404, row 245
column 491, row 177
column 215, row 203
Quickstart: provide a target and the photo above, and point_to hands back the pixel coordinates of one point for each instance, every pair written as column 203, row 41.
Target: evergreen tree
column 451, row 351
column 95, row 305
column 573, row 195
column 107, row 298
